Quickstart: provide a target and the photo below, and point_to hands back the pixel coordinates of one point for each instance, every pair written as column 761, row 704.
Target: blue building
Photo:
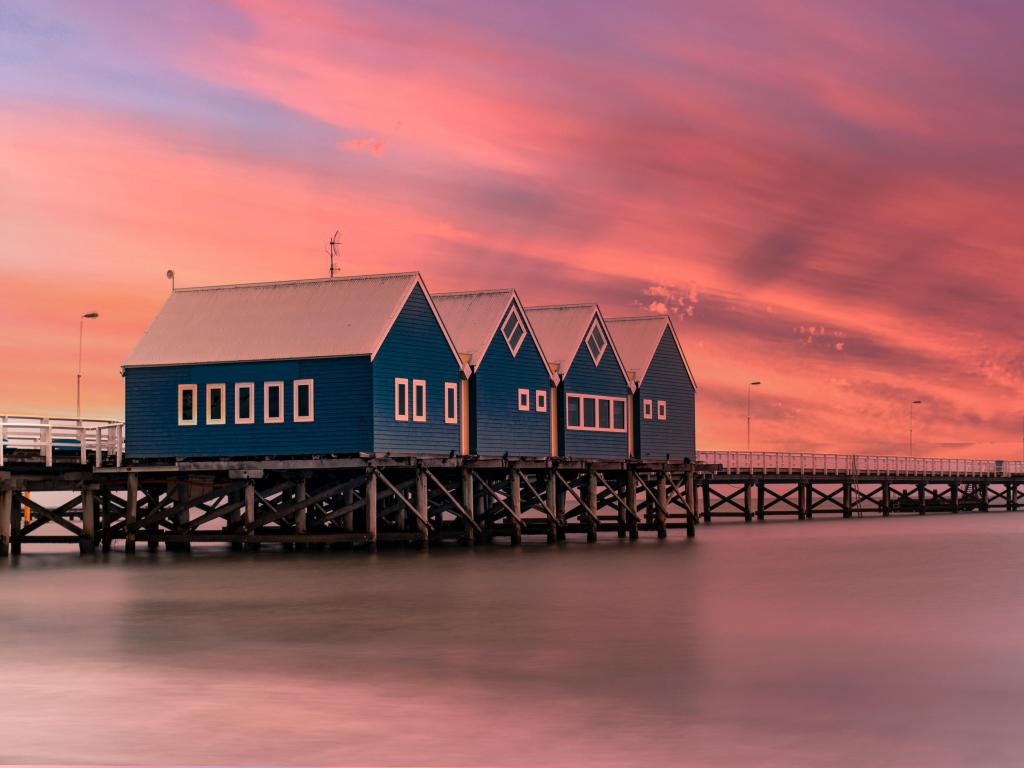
column 333, row 366
column 508, row 393
column 592, row 402
column 664, row 419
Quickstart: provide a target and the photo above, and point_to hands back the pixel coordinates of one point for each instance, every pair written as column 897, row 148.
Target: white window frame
column 522, row 325
column 453, row 417
column 597, row 413
column 540, row 398
column 295, row 400
column 267, row 386
column 596, row 325
column 648, row 409
column 404, row 414
column 523, row 400
column 251, row 386
column 223, row 404
column 662, row 410
column 194, row 389
column 422, row 385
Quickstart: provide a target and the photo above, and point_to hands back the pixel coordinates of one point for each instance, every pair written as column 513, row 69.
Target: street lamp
column 750, row 386
column 78, row 380
column 170, row 276
column 912, row 404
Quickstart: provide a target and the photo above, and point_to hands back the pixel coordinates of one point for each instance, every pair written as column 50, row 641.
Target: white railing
column 65, row 437
column 759, row 462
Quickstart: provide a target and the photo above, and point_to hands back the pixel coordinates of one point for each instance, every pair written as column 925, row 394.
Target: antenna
column 333, row 251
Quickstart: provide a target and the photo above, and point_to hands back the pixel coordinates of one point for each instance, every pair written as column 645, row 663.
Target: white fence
column 756, row 462
column 65, row 437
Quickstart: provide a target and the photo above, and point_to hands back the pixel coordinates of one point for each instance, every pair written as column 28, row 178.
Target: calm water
column 861, row 642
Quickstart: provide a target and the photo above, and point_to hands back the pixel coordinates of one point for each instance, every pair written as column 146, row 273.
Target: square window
column 419, row 400
column 513, row 330
column 401, row 399
column 273, row 402
column 648, row 409
column 524, row 399
column 187, row 405
column 604, row 413
column 662, row 410
column 302, row 400
column 619, row 415
column 451, row 403
column 244, row 404
column 589, row 413
column 596, row 342
column 215, row 404
column 572, row 407
column 541, row 399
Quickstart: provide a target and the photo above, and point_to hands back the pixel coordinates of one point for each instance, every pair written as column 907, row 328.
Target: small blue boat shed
column 664, row 419
column 310, row 367
column 593, row 391
column 508, row 393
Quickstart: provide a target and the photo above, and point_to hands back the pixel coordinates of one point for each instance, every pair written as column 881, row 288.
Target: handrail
column 763, row 462
column 101, row 437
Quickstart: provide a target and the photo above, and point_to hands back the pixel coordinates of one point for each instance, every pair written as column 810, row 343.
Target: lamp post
column 750, row 386
column 170, row 276
column 912, row 404
column 78, row 379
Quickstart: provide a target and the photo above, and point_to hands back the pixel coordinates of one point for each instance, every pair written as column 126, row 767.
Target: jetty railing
column 795, row 463
column 48, row 435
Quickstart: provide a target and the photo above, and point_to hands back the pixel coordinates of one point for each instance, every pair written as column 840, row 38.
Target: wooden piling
column 422, row 506
column 634, row 530
column 370, row 493
column 691, row 497
column 954, row 497
column 6, row 503
column 469, row 504
column 250, row 515
column 706, row 493
column 516, row 499
column 131, row 514
column 662, row 511
column 747, row 502
column 847, row 499
column 105, row 511
column 591, row 500
column 922, row 498
column 760, row 501
column 87, row 542
column 301, row 518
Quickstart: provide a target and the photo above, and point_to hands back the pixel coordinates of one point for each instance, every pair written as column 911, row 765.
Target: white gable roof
column 561, row 329
column 637, row 339
column 473, row 318
column 330, row 317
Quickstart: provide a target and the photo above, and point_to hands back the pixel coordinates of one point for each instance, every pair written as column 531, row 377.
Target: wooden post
column 87, row 542
column 131, row 514
column 806, row 500
column 691, row 496
column 371, row 512
column 560, row 495
column 422, row 505
column 634, row 530
column 16, row 524
column 469, row 504
column 300, row 516
column 922, row 499
column 983, row 487
column 6, row 503
column 954, row 497
column 105, row 519
column 886, row 498
column 760, row 500
column 1013, row 499
column 553, row 506
column 621, row 519
column 515, row 491
column 591, row 504
column 250, row 515
column 348, row 519
column 847, row 499
column 707, row 499
column 747, row 502
column 662, row 504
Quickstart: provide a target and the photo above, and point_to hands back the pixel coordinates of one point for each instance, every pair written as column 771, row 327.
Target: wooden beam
column 401, row 497
column 459, row 509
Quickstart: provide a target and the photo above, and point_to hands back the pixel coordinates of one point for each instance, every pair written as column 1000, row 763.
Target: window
column 648, row 409
column 541, row 399
column 273, row 402
column 513, row 330
column 596, row 342
column 302, row 400
column 215, row 404
column 662, row 410
column 401, row 399
column 243, row 403
column 451, row 403
column 187, row 405
column 595, row 413
column 572, row 407
column 619, row 415
column 419, row 400
column 524, row 399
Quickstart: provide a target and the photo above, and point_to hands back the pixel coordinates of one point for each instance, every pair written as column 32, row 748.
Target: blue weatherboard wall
column 584, row 378
column 414, row 349
column 341, row 399
column 499, row 425
column 667, row 380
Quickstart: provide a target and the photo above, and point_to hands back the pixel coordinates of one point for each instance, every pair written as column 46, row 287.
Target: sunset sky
column 826, row 195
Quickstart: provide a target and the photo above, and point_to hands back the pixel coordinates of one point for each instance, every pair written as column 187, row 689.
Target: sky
column 826, row 196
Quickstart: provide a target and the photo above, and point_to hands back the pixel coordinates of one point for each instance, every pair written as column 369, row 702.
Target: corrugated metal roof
column 472, row 318
column 637, row 339
column 273, row 321
column 560, row 329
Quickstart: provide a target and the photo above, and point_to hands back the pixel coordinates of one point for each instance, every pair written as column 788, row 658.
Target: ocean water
column 825, row 643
